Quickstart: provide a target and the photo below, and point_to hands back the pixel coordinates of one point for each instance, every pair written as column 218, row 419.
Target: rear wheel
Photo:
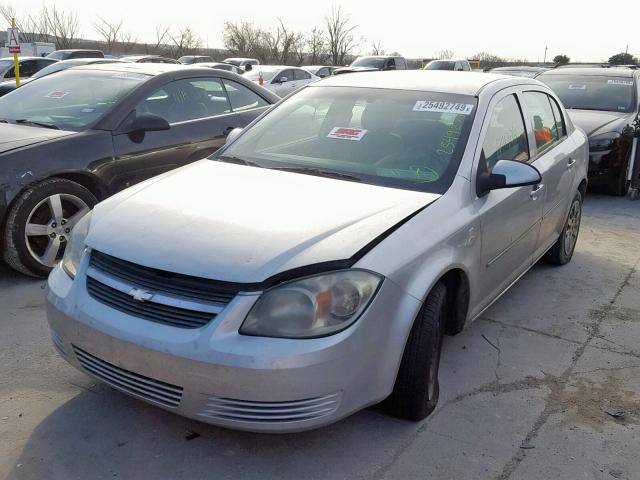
column 562, row 250
column 415, row 393
column 40, row 222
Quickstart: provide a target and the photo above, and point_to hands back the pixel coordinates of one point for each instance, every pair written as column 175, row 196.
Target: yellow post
column 16, row 63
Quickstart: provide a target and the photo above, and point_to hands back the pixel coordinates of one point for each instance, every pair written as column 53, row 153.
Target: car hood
column 245, row 224
column 595, row 122
column 16, row 136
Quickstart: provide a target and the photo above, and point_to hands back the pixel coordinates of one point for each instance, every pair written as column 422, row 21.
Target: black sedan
column 72, row 139
column 604, row 103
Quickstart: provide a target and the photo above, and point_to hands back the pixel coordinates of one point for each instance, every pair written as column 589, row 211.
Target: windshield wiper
column 237, row 160
column 319, row 172
column 25, row 121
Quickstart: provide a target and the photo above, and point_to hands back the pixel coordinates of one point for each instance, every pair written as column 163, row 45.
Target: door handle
column 570, row 163
column 536, row 191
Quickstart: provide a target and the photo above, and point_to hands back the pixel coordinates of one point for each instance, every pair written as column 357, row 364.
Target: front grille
column 270, row 412
column 129, row 382
column 162, row 281
column 155, row 312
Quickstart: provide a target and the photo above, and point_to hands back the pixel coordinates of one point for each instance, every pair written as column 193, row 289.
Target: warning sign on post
column 13, row 40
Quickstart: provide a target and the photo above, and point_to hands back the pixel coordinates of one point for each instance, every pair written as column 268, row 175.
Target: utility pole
column 545, row 55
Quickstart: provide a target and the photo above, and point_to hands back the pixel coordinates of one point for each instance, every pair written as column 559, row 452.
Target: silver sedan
column 311, row 267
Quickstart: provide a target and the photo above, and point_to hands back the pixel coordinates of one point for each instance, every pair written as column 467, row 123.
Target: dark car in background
column 191, row 59
column 148, row 59
column 321, row 71
column 55, row 66
column 453, row 65
column 604, row 103
column 29, row 66
column 374, row 63
column 520, row 71
column 71, row 139
column 222, row 66
column 75, row 53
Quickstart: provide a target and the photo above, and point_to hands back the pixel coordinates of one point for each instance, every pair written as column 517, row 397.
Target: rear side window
column 506, row 137
column 560, row 127
column 301, row 75
column 544, row 123
column 242, row 98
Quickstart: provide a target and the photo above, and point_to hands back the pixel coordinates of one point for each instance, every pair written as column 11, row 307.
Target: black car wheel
column 415, row 393
column 40, row 222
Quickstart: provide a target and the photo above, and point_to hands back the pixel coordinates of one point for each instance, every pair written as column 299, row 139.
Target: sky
column 416, row 29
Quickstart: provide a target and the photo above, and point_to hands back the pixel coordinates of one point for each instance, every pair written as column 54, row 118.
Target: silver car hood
column 245, row 224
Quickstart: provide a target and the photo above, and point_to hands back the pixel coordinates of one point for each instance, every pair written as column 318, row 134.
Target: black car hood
column 17, row 136
column 595, row 122
column 354, row 69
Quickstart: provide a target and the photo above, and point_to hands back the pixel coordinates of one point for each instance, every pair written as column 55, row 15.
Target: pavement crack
column 528, row 329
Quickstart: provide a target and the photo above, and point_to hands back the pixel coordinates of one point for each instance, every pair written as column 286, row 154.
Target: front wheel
column 415, row 393
column 562, row 250
column 40, row 222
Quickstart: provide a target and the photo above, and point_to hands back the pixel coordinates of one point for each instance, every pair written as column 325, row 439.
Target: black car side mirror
column 137, row 126
column 507, row 174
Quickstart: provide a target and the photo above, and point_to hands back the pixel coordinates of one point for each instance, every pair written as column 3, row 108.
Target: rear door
column 555, row 157
column 510, row 218
column 200, row 116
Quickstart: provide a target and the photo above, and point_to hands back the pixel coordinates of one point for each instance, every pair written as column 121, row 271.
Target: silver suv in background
column 455, row 65
column 374, row 63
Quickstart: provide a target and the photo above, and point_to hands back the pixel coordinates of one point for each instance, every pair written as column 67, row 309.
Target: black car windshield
column 593, row 92
column 70, row 99
column 404, row 139
column 441, row 65
column 370, row 62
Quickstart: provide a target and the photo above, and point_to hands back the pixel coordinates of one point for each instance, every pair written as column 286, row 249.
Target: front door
column 509, row 218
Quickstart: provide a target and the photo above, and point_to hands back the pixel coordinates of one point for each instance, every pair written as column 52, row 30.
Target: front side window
column 403, row 139
column 242, row 98
column 69, row 99
column 506, row 136
column 369, row 62
column 285, row 76
column 301, row 75
column 391, row 64
column 189, row 99
column 544, row 123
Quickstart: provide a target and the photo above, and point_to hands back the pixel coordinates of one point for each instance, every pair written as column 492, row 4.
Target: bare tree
column 185, row 42
column 162, row 35
column 62, row 26
column 341, row 41
column 377, row 48
column 33, row 28
column 316, row 45
column 109, row 31
column 444, row 54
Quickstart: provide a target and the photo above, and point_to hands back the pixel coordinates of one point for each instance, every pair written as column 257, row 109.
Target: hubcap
column 572, row 228
column 49, row 226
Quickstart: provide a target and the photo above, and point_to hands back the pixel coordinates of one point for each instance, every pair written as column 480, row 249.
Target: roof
column 144, row 68
column 593, row 71
column 465, row 83
column 78, row 50
column 524, row 68
column 274, row 67
column 26, row 58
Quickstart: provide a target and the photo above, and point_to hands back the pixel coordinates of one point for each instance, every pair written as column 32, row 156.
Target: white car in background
column 281, row 79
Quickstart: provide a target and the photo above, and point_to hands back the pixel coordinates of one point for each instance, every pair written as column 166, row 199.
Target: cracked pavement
column 525, row 392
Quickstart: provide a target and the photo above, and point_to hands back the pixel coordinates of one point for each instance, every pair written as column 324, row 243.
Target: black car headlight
column 312, row 307
column 603, row 142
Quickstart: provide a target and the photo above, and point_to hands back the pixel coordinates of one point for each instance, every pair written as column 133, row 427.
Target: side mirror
column 146, row 122
column 233, row 134
column 281, row 80
column 507, row 174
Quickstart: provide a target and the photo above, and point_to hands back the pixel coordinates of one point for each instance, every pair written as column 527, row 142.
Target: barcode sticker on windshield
column 443, row 107
column 620, row 82
column 346, row 133
column 130, row 76
column 577, row 87
column 56, row 94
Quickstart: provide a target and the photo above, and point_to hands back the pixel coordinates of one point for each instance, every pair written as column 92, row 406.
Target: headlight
column 312, row 307
column 75, row 246
column 601, row 143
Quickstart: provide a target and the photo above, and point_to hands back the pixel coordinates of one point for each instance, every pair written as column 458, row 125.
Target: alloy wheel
column 49, row 226
column 572, row 228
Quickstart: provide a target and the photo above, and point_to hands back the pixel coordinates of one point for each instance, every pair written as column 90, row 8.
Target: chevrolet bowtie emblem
column 140, row 294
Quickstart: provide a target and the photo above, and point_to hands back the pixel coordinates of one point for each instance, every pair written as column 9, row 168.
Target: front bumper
column 214, row 374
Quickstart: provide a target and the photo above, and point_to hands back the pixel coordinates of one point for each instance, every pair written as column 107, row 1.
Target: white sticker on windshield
column 347, row 133
column 129, row 76
column 56, row 94
column 577, row 87
column 443, row 107
column 620, row 82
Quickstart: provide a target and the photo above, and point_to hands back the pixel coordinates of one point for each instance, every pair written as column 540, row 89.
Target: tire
column 415, row 393
column 36, row 250
column 562, row 251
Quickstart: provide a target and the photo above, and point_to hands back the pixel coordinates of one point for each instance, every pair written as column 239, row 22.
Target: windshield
column 396, row 138
column 54, row 67
column 441, row 65
column 267, row 73
column 59, row 55
column 187, row 60
column 70, row 99
column 371, row 62
column 517, row 73
column 584, row 92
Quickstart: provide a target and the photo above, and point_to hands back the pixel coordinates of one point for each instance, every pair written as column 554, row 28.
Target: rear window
column 406, row 139
column 591, row 92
